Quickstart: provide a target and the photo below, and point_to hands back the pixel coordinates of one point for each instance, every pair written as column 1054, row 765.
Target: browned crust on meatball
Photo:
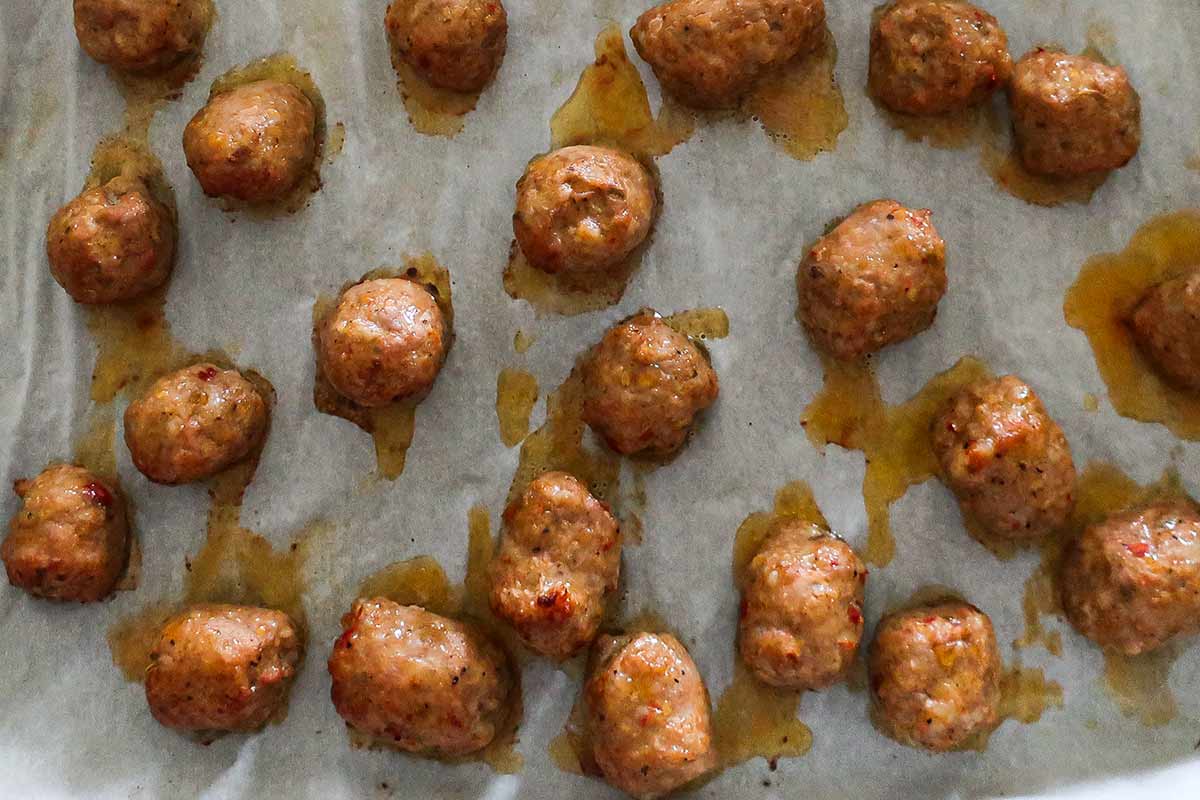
column 142, row 35
column 453, row 44
column 1166, row 326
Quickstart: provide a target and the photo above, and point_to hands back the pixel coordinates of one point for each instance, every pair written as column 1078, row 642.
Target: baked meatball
column 69, row 540
column 454, row 44
column 1132, row 582
column 420, row 681
column 1005, row 459
column 222, row 668
column 709, row 53
column 559, row 558
column 385, row 340
column 141, row 35
column 1072, row 115
column 874, row 280
column 644, row 384
column 935, row 675
column 1166, row 327
column 801, row 617
column 648, row 714
column 194, row 423
column 253, row 143
column 936, row 56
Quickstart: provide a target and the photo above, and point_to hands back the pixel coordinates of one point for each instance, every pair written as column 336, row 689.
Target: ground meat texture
column 648, row 714
column 141, row 35
column 559, row 559
column 935, row 675
column 873, row 280
column 422, row 682
column 69, row 540
column 709, row 53
column 1166, row 327
column 1073, row 115
column 194, row 423
column 453, row 44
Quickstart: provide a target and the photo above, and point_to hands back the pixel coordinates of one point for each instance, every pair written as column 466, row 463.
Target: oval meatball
column 1072, row 115
column 644, row 384
column 253, row 143
column 70, row 538
column 420, row 681
column 1166, row 326
column 194, row 423
column 709, row 53
column 648, row 714
column 222, row 668
column 142, row 35
column 935, row 675
column 801, row 617
column 1005, row 459
column 873, row 280
column 453, row 44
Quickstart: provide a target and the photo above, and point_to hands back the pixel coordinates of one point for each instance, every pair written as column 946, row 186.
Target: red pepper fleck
column 1138, row 549
column 929, row 620
column 98, row 493
column 207, row 374
column 855, row 615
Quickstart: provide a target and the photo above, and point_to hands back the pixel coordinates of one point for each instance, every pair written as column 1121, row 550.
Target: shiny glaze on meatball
column 453, row 44
column 141, row 35
column 1166, row 327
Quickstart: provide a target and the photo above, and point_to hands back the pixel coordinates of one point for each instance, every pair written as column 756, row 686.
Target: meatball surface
column 70, row 539
column 141, row 35
column 454, row 44
column 1166, row 327
column 872, row 281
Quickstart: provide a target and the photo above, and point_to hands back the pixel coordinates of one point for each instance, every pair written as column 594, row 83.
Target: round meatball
column 222, row 668
column 1132, row 582
column 420, row 681
column 1166, row 327
column 559, row 558
column 1072, row 115
column 453, row 44
column 874, row 280
column 709, row 53
column 253, row 143
column 648, row 714
column 935, row 675
column 194, row 423
column 142, row 35
column 385, row 340
column 1005, row 459
column 112, row 243
column 801, row 617
column 644, row 384
column 936, row 56
column 70, row 539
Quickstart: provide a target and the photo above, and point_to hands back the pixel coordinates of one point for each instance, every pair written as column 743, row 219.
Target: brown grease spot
column 432, row 110
column 336, row 142
column 516, row 394
column 418, row 581
column 952, row 131
column 1139, row 684
column 522, row 341
column 700, row 323
column 1010, row 174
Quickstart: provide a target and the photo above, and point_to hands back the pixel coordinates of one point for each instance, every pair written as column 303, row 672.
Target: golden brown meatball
column 872, row 281
column 1166, row 327
column 709, row 53
column 141, row 35
column 425, row 683
column 194, row 423
column 454, row 44
column 222, row 668
column 69, row 540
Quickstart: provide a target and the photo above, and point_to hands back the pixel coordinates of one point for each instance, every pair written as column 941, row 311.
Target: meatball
column 936, row 56
column 874, row 280
column 69, row 540
column 425, row 683
column 453, row 44
column 253, row 143
column 559, row 558
column 648, row 714
column 1132, row 582
column 1166, row 327
column 222, row 668
column 644, row 384
column 935, row 675
column 1005, row 459
column 1072, row 115
column 194, row 423
column 801, row 612
column 141, row 35
column 709, row 53
column 385, row 340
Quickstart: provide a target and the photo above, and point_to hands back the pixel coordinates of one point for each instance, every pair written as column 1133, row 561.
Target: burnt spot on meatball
column 142, row 36
column 1166, row 327
column 452, row 44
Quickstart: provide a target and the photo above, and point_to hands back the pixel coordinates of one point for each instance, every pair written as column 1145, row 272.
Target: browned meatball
column 874, row 280
column 1073, row 115
column 644, row 384
column 222, row 668
column 69, row 540
column 454, row 44
column 1005, row 459
column 802, row 608
column 559, row 558
column 1132, row 582
column 194, row 423
column 648, row 714
column 935, row 675
column 1166, row 327
column 253, row 143
column 709, row 53
column 425, row 683
column 141, row 35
